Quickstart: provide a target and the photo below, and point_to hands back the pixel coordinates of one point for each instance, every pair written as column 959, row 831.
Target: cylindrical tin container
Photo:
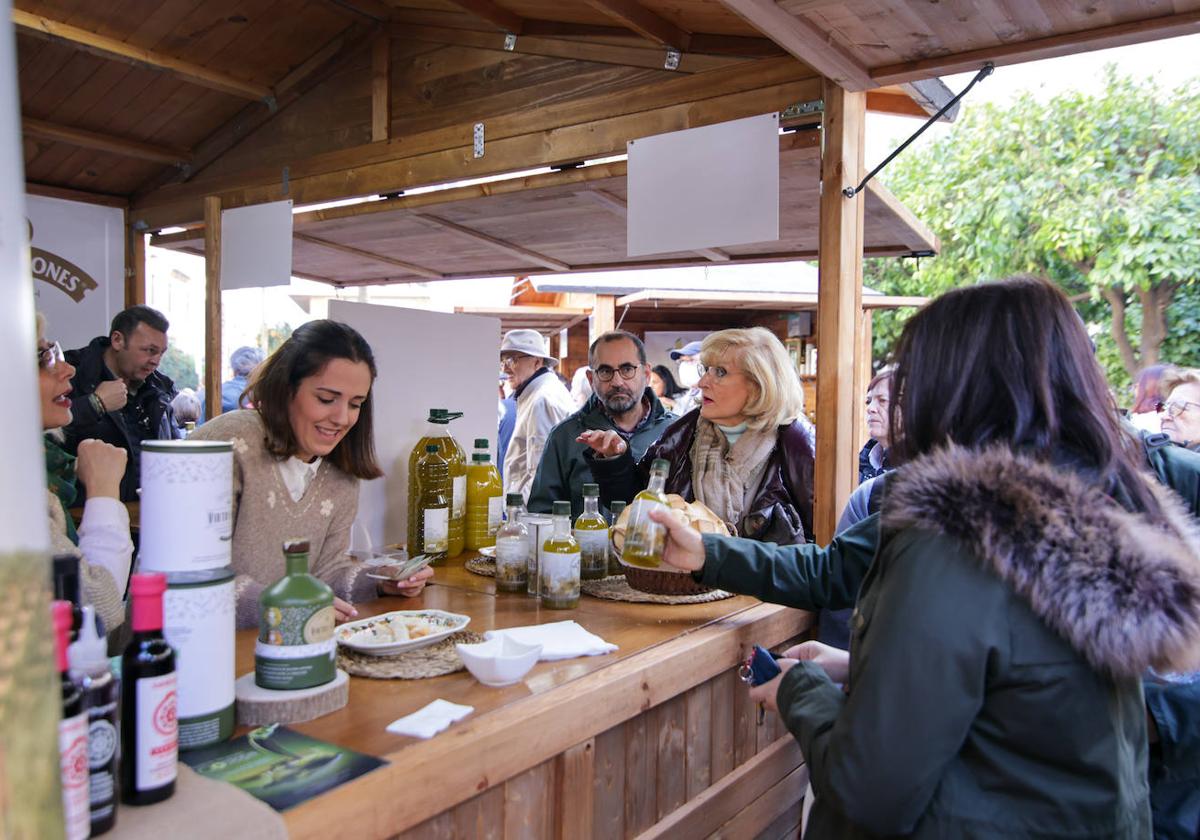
column 186, row 505
column 541, row 526
column 198, row 622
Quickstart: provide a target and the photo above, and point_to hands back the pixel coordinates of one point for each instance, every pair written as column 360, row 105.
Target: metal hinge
column 800, row 109
column 478, row 140
column 673, row 56
column 510, row 41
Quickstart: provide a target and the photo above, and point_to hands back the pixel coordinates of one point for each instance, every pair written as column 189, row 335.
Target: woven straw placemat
column 615, row 588
column 481, row 566
column 433, row 661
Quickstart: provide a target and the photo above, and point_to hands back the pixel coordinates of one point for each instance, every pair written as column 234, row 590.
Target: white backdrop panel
column 704, row 187
column 78, row 263
column 256, row 246
column 425, row 360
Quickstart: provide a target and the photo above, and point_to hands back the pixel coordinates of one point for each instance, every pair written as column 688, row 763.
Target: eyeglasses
column 605, row 373
column 50, row 355
column 1174, row 408
column 717, row 371
column 511, row 360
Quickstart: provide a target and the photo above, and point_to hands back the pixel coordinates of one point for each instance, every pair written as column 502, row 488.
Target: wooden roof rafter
column 412, row 268
column 493, row 13
column 620, row 208
column 497, row 244
column 83, row 138
column 650, row 25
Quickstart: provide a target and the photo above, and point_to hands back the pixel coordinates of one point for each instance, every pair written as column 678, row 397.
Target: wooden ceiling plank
column 1070, row 43
column 375, row 10
column 501, row 18
column 899, row 104
column 412, row 268
column 498, row 244
column 805, row 41
column 103, row 142
column 381, row 88
column 643, row 21
column 49, row 191
column 112, row 48
column 620, row 208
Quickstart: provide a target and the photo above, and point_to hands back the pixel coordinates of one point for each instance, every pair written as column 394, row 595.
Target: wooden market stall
column 179, row 109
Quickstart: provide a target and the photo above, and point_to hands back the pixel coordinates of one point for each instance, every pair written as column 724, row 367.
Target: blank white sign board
column 256, row 246
column 704, row 187
column 425, row 360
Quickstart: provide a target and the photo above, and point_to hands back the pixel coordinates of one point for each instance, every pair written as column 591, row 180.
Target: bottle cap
column 591, row 489
column 90, row 652
column 147, row 583
column 562, row 508
column 295, row 547
column 514, row 499
column 618, row 506
column 481, row 457
column 481, row 443
column 660, row 465
column 431, row 447
column 146, row 590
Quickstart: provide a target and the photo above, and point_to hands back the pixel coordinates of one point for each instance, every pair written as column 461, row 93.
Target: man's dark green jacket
column 563, row 471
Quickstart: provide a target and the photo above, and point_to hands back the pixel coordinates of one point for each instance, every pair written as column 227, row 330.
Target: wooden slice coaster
column 433, row 661
column 481, row 566
column 259, row 706
column 616, row 588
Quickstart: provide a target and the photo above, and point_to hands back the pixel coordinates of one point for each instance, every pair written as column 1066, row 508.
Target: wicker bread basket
column 666, row 580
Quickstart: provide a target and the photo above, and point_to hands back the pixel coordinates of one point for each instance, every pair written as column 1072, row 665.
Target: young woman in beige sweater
column 298, row 456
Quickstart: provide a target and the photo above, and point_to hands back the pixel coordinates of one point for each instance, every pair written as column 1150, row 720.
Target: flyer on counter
column 279, row 765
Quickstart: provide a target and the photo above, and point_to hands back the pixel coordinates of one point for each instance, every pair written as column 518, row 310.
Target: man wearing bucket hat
column 542, row 403
column 687, row 358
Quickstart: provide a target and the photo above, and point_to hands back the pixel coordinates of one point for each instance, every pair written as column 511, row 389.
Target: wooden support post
column 212, row 306
column 381, row 89
column 135, row 264
column 604, row 317
column 839, row 304
column 862, row 377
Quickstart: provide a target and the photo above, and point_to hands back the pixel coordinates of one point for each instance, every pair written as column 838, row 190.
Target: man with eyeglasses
column 1180, row 411
column 542, row 402
column 118, row 394
column 622, row 402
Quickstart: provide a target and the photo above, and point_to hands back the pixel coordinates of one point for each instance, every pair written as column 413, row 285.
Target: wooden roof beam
column 1052, row 46
column 498, row 244
column 51, row 191
column 644, row 22
column 82, row 138
column 411, row 268
column 501, row 18
column 805, row 41
column 107, row 47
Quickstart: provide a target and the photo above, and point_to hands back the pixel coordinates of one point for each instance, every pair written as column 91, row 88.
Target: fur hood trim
column 1123, row 591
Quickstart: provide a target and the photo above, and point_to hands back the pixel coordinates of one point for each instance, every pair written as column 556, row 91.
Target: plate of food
column 399, row 631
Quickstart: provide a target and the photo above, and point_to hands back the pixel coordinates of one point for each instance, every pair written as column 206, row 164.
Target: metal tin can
column 186, row 505
column 541, row 526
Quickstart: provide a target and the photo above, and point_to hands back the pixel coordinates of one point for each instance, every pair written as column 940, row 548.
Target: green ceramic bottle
column 295, row 648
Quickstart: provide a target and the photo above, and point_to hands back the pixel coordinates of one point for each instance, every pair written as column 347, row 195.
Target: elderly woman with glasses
column 1181, row 410
column 743, row 452
column 102, row 541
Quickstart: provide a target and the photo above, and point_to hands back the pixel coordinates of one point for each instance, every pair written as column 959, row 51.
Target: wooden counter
column 657, row 739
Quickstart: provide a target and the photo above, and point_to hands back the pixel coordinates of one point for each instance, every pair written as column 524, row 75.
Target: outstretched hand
column 606, row 444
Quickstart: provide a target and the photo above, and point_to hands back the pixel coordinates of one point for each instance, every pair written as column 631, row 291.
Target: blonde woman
column 743, row 452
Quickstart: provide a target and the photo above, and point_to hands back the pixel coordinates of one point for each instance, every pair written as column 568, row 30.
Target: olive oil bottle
column 485, row 499
column 433, row 505
column 512, row 549
column 295, row 647
column 591, row 532
column 645, row 538
column 438, row 432
column 559, row 565
column 614, row 556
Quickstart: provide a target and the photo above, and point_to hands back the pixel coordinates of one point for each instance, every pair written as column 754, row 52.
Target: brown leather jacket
column 782, row 511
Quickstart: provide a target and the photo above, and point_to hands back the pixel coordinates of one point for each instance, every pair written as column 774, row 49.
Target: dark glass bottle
column 102, row 695
column 72, row 735
column 66, row 588
column 149, row 731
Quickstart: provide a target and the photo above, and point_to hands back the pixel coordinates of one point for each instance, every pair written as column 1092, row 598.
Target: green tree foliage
column 273, row 337
column 180, row 367
column 1100, row 193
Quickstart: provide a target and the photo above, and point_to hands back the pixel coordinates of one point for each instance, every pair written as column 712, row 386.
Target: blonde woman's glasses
column 50, row 355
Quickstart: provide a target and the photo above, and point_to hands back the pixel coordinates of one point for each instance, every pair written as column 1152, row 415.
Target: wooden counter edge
column 429, row 777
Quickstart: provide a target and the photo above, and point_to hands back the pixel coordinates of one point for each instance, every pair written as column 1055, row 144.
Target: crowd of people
column 1009, row 628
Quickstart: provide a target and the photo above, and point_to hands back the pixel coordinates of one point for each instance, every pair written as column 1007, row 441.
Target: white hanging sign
column 256, row 246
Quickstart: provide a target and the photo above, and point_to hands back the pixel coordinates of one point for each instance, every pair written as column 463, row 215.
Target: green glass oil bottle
column 295, row 647
column 591, row 532
column 559, row 566
column 433, row 505
column 645, row 538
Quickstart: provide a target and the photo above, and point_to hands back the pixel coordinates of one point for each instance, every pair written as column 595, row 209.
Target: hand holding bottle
column 684, row 549
column 606, row 444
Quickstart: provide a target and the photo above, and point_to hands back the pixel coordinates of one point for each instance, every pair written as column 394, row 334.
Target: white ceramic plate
column 373, row 635
column 488, row 551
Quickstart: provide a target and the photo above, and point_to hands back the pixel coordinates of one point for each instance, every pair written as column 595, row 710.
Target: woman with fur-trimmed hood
column 1029, row 574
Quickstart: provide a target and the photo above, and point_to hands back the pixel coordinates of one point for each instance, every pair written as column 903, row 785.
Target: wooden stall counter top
column 663, row 650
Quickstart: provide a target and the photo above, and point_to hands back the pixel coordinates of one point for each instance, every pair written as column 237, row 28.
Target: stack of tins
column 186, row 532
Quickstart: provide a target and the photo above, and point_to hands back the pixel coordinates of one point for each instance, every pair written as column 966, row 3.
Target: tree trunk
column 1116, row 302
column 1155, row 301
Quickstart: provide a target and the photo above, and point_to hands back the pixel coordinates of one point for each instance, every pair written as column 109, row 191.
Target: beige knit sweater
column 97, row 584
column 265, row 516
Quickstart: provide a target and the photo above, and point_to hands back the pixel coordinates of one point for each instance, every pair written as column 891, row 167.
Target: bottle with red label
column 149, row 732
column 72, row 734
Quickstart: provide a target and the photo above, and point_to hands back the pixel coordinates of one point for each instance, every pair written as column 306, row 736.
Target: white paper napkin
column 429, row 721
column 560, row 640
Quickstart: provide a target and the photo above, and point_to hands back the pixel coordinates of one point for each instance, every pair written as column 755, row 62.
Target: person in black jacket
column 118, row 395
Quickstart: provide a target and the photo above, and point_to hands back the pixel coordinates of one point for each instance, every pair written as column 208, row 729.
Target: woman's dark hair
column 670, row 386
column 304, row 354
column 1010, row 363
